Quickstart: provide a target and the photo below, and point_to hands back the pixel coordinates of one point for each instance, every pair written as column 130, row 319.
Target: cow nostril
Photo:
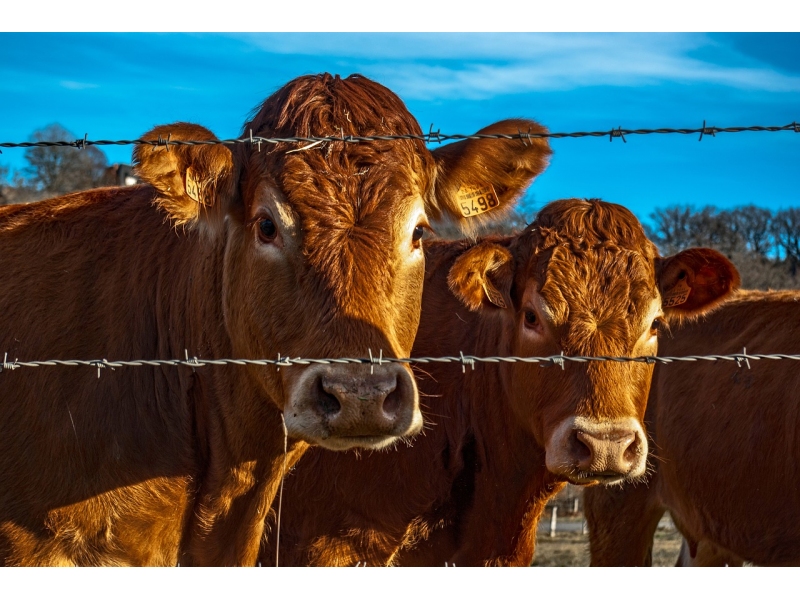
column 327, row 403
column 580, row 450
column 392, row 403
column 633, row 450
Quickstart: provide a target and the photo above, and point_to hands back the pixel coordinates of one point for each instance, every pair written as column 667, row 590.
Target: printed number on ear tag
column 476, row 199
column 192, row 186
column 677, row 295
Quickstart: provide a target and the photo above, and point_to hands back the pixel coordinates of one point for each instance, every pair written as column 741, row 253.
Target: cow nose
column 611, row 452
column 348, row 406
column 377, row 394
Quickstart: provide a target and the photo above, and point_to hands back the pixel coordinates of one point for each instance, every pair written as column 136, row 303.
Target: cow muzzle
column 347, row 406
column 588, row 451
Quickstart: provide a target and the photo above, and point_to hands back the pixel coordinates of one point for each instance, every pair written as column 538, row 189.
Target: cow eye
column 530, row 318
column 267, row 230
column 419, row 231
column 658, row 326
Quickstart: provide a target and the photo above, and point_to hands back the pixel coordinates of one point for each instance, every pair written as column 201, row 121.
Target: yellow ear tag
column 677, row 295
column 475, row 200
column 192, row 186
column 494, row 296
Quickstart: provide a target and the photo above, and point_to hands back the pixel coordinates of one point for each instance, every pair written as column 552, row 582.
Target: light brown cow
column 502, row 439
column 725, row 459
column 242, row 252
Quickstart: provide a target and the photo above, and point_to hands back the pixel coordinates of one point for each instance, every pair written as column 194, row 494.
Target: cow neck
column 238, row 431
column 502, row 484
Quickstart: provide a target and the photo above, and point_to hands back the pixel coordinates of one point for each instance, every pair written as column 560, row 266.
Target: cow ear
column 695, row 281
column 482, row 276
column 479, row 181
column 192, row 183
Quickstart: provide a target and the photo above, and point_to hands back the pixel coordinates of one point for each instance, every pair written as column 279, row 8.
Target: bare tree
column 54, row 171
column 754, row 225
column 672, row 230
column 786, row 228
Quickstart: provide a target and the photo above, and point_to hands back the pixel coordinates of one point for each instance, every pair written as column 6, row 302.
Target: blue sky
column 119, row 85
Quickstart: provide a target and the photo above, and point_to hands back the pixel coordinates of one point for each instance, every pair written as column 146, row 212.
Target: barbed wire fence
column 741, row 359
column 428, row 138
column 431, row 137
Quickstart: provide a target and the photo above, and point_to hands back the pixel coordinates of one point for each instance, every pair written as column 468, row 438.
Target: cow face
column 322, row 243
column 584, row 280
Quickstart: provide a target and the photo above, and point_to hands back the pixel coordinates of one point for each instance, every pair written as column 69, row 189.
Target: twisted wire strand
column 429, row 138
column 464, row 360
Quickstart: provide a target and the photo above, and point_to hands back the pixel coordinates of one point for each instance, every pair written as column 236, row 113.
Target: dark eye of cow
column 658, row 326
column 267, row 229
column 530, row 318
column 419, row 231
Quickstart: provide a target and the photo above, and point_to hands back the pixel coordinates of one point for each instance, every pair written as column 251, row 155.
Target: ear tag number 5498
column 475, row 200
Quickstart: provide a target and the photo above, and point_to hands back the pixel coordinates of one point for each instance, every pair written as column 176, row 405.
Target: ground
column 570, row 547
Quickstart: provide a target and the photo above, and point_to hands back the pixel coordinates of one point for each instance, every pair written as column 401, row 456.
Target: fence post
column 553, row 518
column 575, row 505
column 584, row 527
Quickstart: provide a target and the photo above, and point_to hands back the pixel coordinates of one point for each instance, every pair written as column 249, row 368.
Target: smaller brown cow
column 502, row 439
column 725, row 452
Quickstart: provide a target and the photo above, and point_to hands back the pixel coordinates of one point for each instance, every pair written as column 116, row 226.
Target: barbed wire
column 465, row 360
column 428, row 138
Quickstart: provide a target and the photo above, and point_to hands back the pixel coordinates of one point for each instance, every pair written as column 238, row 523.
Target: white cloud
column 77, row 85
column 437, row 66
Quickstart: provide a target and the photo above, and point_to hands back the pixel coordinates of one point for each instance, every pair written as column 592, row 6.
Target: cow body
column 470, row 491
column 726, row 458
column 243, row 253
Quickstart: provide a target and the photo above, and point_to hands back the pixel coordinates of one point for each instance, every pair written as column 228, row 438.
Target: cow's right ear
column 479, row 181
column 192, row 182
column 482, row 276
column 694, row 281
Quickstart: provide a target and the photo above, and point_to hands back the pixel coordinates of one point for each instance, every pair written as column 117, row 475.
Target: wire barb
column 525, row 137
column 743, row 359
column 712, row 131
column 373, row 361
column 617, row 133
column 431, row 134
column 7, row 366
column 466, row 360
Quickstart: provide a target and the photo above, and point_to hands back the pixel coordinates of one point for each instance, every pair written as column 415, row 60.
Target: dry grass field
column 571, row 548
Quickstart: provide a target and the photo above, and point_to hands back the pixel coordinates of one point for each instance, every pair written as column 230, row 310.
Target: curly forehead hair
column 345, row 194
column 327, row 105
column 589, row 256
column 580, row 226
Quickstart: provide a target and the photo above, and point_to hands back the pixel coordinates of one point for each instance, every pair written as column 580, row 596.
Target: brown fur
column 470, row 491
column 159, row 465
column 725, row 459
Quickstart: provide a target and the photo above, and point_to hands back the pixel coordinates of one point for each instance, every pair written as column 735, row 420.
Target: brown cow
column 725, row 460
column 502, row 439
column 245, row 252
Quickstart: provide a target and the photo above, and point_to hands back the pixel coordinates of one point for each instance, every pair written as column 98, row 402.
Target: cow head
column 584, row 280
column 322, row 243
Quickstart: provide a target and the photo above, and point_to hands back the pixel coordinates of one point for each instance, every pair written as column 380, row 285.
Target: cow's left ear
column 192, row 182
column 482, row 276
column 695, row 281
column 480, row 180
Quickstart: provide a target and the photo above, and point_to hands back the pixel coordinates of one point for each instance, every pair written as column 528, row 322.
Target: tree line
column 763, row 244
column 54, row 171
